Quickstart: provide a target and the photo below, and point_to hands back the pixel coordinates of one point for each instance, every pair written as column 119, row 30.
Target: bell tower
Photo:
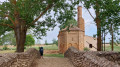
column 82, row 29
column 80, row 19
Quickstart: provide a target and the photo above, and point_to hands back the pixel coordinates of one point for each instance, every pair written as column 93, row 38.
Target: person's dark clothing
column 41, row 51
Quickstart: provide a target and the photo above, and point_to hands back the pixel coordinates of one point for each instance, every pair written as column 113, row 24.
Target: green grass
column 116, row 48
column 54, row 55
column 7, row 51
column 47, row 47
column 51, row 47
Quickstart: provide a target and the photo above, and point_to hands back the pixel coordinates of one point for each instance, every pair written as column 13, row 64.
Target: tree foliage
column 55, row 41
column 8, row 38
column 29, row 40
column 46, row 43
column 69, row 23
column 109, row 12
column 32, row 10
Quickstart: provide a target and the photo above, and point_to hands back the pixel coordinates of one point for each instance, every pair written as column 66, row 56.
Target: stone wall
column 111, row 56
column 93, row 58
column 23, row 59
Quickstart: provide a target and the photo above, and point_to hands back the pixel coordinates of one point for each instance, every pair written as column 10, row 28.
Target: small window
column 90, row 46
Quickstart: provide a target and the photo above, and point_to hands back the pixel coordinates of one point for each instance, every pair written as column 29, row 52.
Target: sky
column 90, row 27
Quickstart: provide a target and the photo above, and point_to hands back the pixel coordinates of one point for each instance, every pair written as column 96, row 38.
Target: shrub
column 46, row 43
column 29, row 40
column 55, row 41
column 86, row 49
column 5, row 47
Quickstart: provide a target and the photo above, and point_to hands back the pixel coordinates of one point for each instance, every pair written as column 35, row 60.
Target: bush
column 86, row 49
column 5, row 47
column 46, row 43
column 29, row 40
column 55, row 41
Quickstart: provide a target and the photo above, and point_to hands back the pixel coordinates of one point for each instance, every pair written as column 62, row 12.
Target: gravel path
column 52, row 62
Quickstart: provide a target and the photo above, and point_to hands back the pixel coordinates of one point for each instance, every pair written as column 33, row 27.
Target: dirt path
column 52, row 62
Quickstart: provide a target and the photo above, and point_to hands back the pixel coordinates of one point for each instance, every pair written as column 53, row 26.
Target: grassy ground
column 7, row 51
column 116, row 48
column 54, row 47
column 46, row 47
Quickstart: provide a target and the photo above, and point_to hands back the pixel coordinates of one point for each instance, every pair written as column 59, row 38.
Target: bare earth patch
column 51, row 51
column 52, row 62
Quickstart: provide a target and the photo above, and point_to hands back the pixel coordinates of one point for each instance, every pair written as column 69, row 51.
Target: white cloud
column 3, row 0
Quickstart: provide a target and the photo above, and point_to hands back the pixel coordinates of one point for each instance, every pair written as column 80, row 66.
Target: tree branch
column 7, row 25
column 10, row 19
column 90, row 13
column 48, row 7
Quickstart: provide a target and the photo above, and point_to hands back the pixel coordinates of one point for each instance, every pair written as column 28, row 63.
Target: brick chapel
column 75, row 36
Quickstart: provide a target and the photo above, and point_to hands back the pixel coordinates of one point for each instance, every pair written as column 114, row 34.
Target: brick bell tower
column 81, row 26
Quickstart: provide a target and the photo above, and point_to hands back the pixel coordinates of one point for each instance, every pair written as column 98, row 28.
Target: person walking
column 41, row 52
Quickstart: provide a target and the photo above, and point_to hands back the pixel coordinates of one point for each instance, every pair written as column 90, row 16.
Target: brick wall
column 92, row 58
column 23, row 59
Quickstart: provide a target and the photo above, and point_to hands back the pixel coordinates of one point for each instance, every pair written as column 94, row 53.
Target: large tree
column 20, row 15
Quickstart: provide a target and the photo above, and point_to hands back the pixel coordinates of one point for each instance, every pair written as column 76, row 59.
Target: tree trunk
column 112, row 42
column 112, row 37
column 20, row 33
column 104, row 40
column 98, row 27
column 98, row 36
column 20, row 29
